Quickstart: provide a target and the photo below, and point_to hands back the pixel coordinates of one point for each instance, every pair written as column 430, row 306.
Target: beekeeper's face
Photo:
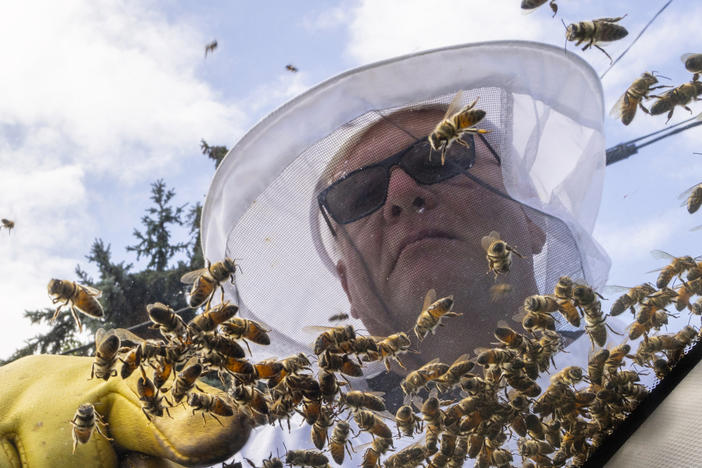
column 427, row 235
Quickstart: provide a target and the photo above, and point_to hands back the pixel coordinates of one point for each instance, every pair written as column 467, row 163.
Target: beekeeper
column 332, row 206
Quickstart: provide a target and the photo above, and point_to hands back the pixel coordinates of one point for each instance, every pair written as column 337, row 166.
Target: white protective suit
column 545, row 109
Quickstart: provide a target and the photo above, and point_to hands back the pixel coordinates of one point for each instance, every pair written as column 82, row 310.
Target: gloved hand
column 39, row 395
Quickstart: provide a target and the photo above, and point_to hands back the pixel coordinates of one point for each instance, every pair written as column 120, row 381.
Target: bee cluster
column 473, row 408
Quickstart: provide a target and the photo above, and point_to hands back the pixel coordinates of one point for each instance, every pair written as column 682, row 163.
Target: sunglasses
column 365, row 190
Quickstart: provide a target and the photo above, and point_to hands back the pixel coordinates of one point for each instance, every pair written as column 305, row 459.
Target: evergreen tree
column 216, row 153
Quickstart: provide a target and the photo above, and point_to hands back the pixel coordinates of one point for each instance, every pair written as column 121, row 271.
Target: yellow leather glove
column 39, row 395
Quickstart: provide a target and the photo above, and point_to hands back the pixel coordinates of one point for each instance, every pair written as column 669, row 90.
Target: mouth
column 418, row 237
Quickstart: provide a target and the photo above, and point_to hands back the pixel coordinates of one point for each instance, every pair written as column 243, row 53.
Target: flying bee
column 391, row 347
column 499, row 253
column 371, row 423
column 455, row 123
column 7, row 224
column 245, row 329
column 633, row 296
column 661, row 298
column 206, row 280
column 693, row 64
column 332, row 362
column 339, row 441
column 676, row 267
column 209, row 48
column 416, row 380
column 530, row 5
column 693, row 197
column 149, row 395
column 433, row 311
column 596, row 31
column 291, row 68
column 626, row 106
column 306, row 458
column 212, row 404
column 679, row 96
column 211, row 318
column 78, row 297
column 131, row 362
column 84, row 422
column 358, row 400
column 407, row 422
column 185, row 381
column 170, row 324
column 338, row 317
column 500, row 291
column 106, row 348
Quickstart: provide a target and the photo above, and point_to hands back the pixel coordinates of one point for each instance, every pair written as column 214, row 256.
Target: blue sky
column 100, row 99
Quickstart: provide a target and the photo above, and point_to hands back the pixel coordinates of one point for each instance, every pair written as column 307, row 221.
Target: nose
column 405, row 196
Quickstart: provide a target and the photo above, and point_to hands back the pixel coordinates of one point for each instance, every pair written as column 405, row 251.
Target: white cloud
column 327, row 19
column 383, row 29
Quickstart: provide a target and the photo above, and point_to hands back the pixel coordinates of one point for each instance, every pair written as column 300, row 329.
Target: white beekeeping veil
column 545, row 110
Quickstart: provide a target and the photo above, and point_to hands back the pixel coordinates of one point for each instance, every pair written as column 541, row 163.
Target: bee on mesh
column 456, row 122
column 433, row 311
column 596, row 32
column 389, row 348
column 499, row 253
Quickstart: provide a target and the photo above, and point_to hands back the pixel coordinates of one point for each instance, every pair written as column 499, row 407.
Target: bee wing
column 100, row 334
column 316, row 328
column 455, row 105
column 503, row 324
column 661, row 255
column 696, row 228
column 686, row 193
column 489, row 239
column 462, row 357
column 684, row 57
column 192, row 276
column 520, row 316
column 90, row 290
column 433, row 361
column 480, row 350
column 616, row 111
column 614, row 289
column 429, row 299
column 125, row 335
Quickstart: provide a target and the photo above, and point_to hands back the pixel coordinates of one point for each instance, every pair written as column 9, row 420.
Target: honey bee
column 205, row 281
column 244, row 329
column 371, row 423
column 7, row 224
column 78, row 297
column 460, row 452
column 510, row 338
column 252, row 400
column 149, row 395
column 271, row 462
column 696, row 308
column 633, row 296
column 357, row 400
column 533, row 4
column 455, row 123
column 661, row 368
column 321, row 426
column 693, row 64
column 679, row 96
column 241, row 368
column 532, row 321
column 170, row 324
column 530, row 448
column 596, row 31
column 212, row 404
column 408, row 457
column 693, row 198
column 626, row 106
column 499, row 253
column 392, row 346
column 676, row 267
column 595, row 366
column 616, row 357
column 291, row 68
column 407, row 422
column 209, row 48
column 568, row 375
column 131, row 362
column 569, row 311
column 339, row 441
column 433, row 311
column 185, row 381
column 499, row 291
column 162, row 373
column 416, row 380
column 106, row 348
column 84, row 422
column 460, row 367
column 211, row 318
column 332, row 362
column 536, row 303
column 222, row 345
column 338, row 317
column 328, row 385
column 331, row 338
column 306, row 458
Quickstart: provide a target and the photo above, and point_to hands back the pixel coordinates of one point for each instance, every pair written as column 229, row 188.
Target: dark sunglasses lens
column 416, row 162
column 358, row 195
